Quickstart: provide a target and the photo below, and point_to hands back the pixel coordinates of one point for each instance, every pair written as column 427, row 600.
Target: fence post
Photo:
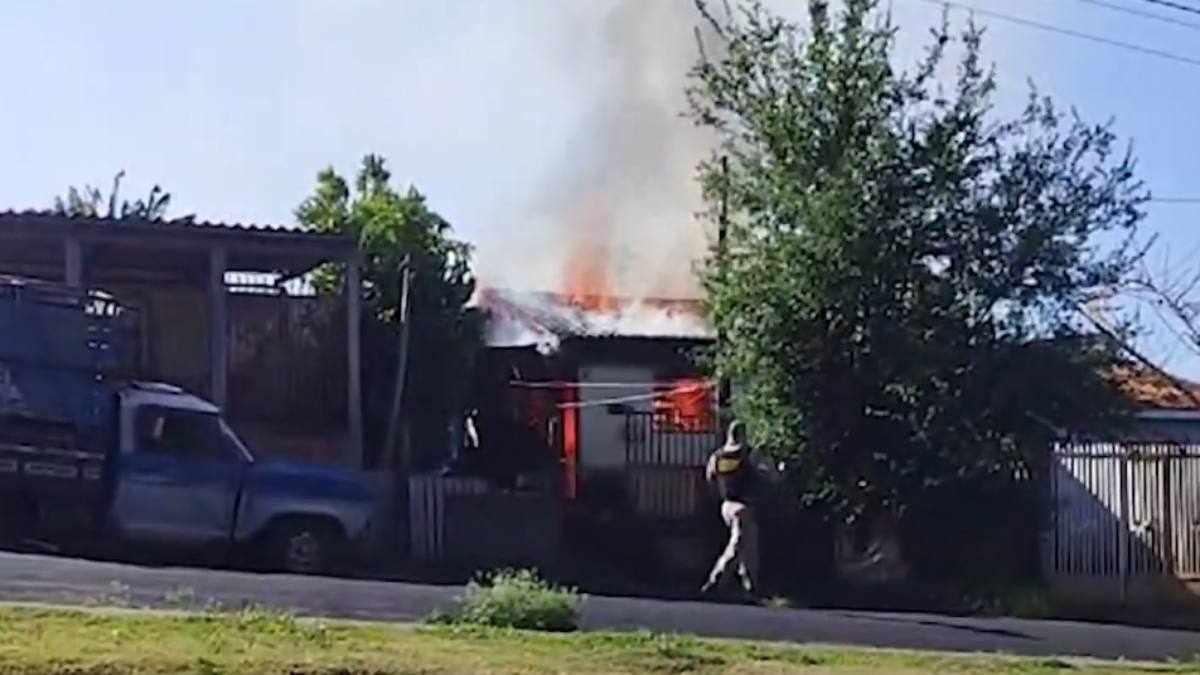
column 1049, row 497
column 1124, row 540
column 1168, row 499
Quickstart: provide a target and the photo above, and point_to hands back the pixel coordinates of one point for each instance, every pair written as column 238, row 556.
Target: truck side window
column 182, row 433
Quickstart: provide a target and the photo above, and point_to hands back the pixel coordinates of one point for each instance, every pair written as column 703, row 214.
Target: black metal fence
column 665, row 459
column 660, row 440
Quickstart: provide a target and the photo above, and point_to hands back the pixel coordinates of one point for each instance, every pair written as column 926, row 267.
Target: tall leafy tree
column 899, row 288
column 90, row 202
column 395, row 228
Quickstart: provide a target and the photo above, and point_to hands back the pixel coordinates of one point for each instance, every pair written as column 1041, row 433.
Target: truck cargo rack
column 60, row 348
column 112, row 328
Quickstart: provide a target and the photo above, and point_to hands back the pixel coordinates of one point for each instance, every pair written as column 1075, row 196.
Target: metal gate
column 1123, row 511
column 665, row 464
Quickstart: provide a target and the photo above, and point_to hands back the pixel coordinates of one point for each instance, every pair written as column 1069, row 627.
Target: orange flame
column 586, row 280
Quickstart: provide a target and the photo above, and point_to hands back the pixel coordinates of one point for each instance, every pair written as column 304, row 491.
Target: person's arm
column 472, row 433
column 710, row 468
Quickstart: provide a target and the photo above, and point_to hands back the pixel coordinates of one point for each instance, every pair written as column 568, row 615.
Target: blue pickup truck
column 89, row 454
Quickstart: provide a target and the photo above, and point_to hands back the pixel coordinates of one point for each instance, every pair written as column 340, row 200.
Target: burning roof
column 544, row 320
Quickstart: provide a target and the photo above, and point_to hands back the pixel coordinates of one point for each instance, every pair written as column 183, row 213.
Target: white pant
column 741, row 552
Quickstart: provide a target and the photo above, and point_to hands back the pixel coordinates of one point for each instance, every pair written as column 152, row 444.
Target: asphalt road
column 32, row 578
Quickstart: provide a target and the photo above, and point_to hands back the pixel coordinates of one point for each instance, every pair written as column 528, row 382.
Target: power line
column 1174, row 200
column 1175, row 5
column 1145, row 15
column 565, row 384
column 635, row 398
column 1170, row 56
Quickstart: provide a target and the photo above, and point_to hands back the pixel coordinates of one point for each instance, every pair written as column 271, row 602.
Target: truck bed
column 59, row 349
column 39, row 462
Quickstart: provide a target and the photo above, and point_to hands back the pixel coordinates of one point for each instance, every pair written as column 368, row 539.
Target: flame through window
column 684, row 404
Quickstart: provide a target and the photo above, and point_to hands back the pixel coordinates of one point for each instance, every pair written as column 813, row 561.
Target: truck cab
column 182, row 478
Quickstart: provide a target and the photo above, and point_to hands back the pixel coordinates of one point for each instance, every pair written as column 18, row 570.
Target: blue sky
column 234, row 106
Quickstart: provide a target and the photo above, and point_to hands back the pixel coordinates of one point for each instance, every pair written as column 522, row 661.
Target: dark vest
column 734, row 474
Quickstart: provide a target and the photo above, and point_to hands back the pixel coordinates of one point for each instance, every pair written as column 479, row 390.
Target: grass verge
column 43, row 642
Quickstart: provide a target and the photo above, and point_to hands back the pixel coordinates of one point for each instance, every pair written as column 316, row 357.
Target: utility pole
column 402, row 317
column 724, row 391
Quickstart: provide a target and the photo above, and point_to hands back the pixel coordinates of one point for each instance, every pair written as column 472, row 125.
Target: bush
column 520, row 599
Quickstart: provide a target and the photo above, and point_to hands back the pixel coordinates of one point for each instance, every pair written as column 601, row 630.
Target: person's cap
column 736, row 435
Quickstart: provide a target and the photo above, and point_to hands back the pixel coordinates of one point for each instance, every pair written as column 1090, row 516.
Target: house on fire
column 597, row 401
column 610, row 384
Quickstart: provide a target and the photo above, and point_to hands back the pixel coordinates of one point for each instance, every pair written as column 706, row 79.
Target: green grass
column 85, row 642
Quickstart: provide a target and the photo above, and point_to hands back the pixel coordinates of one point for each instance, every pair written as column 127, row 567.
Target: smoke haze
column 616, row 214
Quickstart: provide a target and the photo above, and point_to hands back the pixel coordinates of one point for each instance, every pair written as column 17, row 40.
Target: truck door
column 178, row 481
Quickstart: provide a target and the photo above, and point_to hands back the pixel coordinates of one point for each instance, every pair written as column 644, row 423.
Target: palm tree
column 90, row 202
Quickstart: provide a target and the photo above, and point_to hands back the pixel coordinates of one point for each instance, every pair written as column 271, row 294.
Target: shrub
column 520, row 599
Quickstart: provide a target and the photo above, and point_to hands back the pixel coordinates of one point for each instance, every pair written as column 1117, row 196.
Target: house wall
column 601, row 429
column 639, row 363
column 1179, row 431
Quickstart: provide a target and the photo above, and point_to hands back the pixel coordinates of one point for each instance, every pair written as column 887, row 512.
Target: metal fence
column 654, row 439
column 665, row 464
column 1125, row 511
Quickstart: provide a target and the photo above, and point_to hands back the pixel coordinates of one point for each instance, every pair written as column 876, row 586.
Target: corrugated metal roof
column 543, row 320
column 130, row 248
column 12, row 217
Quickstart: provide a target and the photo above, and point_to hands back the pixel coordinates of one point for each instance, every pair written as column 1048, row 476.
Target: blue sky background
column 234, row 106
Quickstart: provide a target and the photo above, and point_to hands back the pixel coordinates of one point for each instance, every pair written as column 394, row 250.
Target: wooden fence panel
column 287, row 360
column 427, row 496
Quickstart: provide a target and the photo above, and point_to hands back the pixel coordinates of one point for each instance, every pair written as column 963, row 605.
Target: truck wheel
column 303, row 547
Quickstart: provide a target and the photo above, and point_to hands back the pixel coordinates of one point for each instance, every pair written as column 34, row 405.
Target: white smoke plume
column 617, row 213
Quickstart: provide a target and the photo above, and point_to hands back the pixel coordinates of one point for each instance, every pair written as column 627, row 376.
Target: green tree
column 393, row 227
column 898, row 292
column 90, row 202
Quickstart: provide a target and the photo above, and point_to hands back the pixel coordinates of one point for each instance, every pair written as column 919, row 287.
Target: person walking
column 738, row 474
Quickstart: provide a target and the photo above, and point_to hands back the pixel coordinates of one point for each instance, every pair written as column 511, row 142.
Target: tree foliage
column 391, row 227
column 90, row 202
column 899, row 288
